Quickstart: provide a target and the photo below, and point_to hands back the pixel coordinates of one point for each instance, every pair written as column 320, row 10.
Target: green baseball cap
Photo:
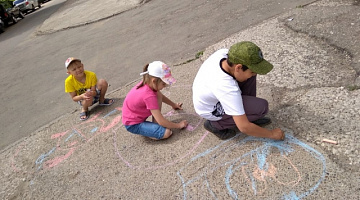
column 247, row 53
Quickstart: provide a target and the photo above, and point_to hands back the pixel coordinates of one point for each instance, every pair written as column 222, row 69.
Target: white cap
column 69, row 60
column 160, row 70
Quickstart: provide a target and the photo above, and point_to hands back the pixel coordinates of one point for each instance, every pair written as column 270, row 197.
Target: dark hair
column 244, row 68
column 147, row 77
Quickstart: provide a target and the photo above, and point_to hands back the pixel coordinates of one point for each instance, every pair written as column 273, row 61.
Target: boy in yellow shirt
column 84, row 87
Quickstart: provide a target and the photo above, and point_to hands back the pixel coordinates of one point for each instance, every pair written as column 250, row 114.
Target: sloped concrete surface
column 81, row 12
column 312, row 95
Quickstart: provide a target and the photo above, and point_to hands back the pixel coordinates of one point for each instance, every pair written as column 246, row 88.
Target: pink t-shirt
column 137, row 105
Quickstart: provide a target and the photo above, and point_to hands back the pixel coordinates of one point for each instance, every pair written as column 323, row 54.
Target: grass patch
column 353, row 87
column 197, row 56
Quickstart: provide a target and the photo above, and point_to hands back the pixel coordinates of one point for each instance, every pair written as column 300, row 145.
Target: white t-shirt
column 215, row 92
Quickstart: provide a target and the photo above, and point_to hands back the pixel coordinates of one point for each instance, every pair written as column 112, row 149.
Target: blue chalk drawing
column 257, row 156
column 39, row 161
column 111, row 112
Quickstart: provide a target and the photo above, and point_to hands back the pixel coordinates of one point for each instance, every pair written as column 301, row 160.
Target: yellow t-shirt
column 73, row 85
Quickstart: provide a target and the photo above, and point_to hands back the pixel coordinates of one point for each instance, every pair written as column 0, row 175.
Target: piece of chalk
column 329, row 141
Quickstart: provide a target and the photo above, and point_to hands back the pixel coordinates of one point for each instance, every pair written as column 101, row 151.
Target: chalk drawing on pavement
column 68, row 142
column 270, row 169
column 249, row 168
column 164, row 159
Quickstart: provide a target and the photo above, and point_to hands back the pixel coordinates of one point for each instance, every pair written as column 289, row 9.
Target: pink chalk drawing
column 12, row 158
column 53, row 162
column 254, row 173
column 69, row 141
column 79, row 135
column 126, row 155
column 165, row 162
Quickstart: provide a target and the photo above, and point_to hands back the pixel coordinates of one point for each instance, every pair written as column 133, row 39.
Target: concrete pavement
column 108, row 46
column 313, row 94
column 77, row 13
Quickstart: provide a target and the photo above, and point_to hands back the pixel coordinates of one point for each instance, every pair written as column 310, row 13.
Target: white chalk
column 329, row 141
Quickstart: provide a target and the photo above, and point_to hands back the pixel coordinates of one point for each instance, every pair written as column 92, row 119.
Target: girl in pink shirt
column 145, row 99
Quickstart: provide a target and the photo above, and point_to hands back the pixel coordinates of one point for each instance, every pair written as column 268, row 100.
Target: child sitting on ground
column 145, row 99
column 84, row 87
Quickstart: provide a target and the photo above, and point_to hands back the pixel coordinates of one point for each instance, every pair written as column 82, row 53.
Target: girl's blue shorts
column 148, row 129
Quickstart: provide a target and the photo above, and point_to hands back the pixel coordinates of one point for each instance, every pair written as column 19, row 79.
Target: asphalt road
column 32, row 66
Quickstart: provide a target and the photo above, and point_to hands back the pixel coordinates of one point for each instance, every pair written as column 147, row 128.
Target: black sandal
column 86, row 114
column 107, row 102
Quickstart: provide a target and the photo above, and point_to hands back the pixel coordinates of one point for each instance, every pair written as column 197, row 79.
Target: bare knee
column 102, row 84
column 167, row 134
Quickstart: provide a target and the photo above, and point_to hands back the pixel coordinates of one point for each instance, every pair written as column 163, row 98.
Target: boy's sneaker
column 262, row 121
column 222, row 134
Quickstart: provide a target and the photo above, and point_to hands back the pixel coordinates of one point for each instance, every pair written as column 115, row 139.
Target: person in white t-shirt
column 224, row 93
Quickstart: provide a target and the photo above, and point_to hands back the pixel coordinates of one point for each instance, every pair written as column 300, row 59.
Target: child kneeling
column 145, row 99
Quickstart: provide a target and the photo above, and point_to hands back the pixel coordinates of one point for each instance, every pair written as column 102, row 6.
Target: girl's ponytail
column 146, row 77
